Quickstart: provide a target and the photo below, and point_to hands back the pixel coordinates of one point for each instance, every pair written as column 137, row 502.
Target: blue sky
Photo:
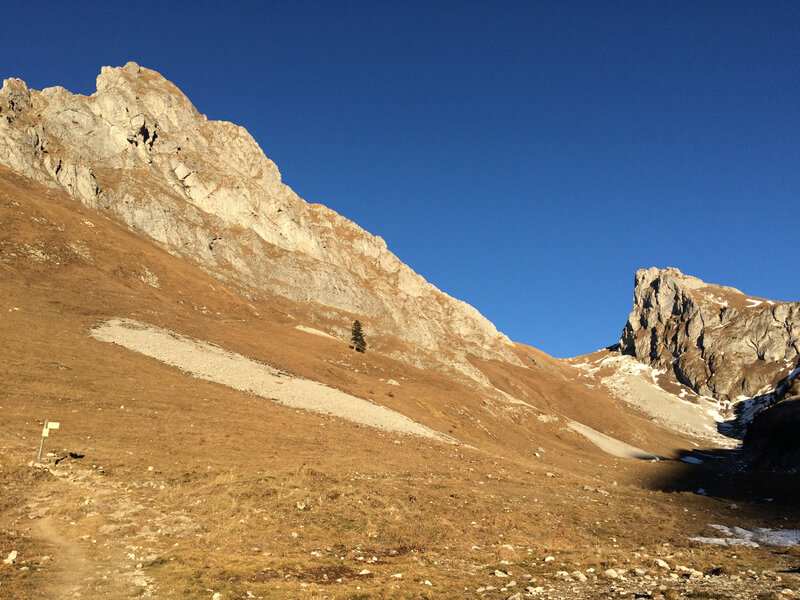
column 526, row 157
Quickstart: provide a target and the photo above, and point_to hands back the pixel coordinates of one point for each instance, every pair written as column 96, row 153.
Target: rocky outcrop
column 717, row 340
column 772, row 440
column 205, row 191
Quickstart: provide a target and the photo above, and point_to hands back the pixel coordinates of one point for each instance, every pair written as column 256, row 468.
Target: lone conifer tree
column 357, row 338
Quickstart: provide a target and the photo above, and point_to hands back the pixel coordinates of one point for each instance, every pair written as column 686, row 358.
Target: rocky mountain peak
column 204, row 190
column 716, row 339
column 127, row 95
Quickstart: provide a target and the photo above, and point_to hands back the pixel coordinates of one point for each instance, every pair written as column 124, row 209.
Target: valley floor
column 258, row 521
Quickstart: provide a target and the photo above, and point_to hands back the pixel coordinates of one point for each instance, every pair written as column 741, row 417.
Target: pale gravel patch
column 510, row 399
column 316, row 332
column 212, row 363
column 609, row 444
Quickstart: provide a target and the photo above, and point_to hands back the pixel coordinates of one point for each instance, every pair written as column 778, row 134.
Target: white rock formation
column 204, row 190
column 718, row 341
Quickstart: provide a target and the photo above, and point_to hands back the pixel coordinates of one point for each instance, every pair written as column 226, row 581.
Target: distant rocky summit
column 740, row 350
column 717, row 340
column 203, row 190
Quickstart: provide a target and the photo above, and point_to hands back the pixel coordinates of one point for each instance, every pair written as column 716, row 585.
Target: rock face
column 719, row 341
column 204, row 190
column 772, row 439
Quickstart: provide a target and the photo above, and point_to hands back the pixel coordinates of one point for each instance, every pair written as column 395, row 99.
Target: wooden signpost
column 48, row 425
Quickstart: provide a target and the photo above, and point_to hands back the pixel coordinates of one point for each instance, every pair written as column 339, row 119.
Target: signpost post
column 48, row 425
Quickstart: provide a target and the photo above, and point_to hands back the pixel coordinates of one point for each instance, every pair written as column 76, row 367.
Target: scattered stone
column 534, row 591
column 689, row 573
column 577, row 575
column 365, row 572
column 610, row 574
column 12, row 557
column 499, row 573
column 549, row 559
column 661, row 564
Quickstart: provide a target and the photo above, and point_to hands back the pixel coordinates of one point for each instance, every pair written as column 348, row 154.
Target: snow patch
column 738, row 536
column 750, row 407
column 717, row 299
column 637, row 384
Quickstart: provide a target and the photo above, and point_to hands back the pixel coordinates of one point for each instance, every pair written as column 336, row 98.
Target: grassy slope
column 245, row 495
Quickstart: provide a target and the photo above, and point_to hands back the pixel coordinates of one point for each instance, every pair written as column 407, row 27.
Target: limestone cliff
column 717, row 340
column 205, row 191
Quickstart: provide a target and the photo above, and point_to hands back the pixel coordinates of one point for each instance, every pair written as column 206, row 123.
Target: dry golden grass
column 213, row 490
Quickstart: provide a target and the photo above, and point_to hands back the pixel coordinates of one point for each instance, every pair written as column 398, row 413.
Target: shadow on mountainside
column 743, row 414
column 719, row 473
column 764, row 468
